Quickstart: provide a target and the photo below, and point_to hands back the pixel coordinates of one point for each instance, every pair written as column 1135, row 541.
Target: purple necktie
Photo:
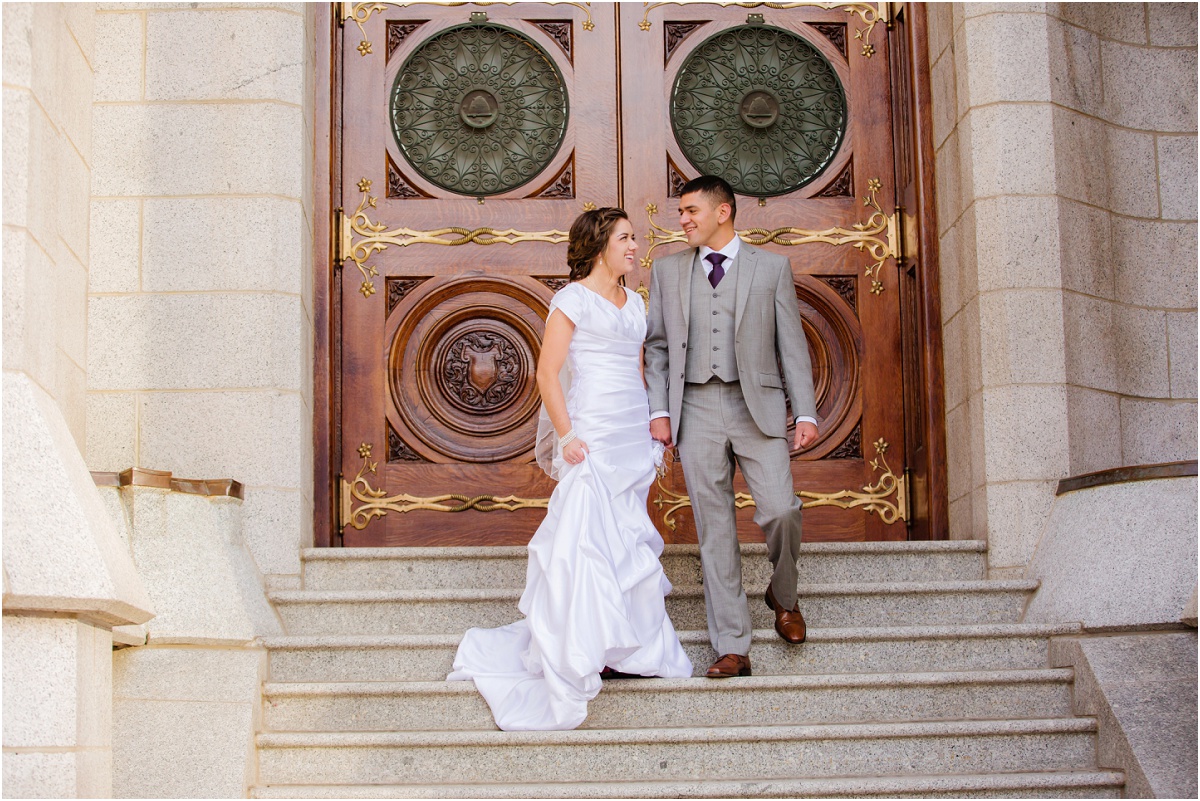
column 718, row 272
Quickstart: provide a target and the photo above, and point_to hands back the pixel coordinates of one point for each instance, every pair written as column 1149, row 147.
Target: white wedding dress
column 594, row 586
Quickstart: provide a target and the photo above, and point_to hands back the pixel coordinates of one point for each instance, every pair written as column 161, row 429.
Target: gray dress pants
column 717, row 434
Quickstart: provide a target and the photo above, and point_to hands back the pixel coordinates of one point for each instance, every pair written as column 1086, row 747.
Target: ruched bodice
column 594, row 586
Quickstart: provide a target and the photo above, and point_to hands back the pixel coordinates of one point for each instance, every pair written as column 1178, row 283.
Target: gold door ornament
column 375, row 237
column 873, row 498
column 871, row 15
column 361, row 12
column 879, row 236
column 377, row 503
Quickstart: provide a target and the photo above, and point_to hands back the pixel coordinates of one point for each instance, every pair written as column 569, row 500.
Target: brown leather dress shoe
column 728, row 666
column 789, row 623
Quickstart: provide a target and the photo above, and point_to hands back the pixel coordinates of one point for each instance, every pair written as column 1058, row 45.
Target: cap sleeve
column 569, row 300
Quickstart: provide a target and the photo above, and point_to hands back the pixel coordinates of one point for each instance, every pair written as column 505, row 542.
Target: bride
column 594, row 588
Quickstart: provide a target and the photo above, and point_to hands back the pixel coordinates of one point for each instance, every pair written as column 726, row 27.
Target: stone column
column 200, row 312
column 1068, row 264
column 68, row 578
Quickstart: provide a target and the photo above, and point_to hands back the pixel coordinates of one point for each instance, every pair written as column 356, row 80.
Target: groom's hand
column 660, row 429
column 806, row 434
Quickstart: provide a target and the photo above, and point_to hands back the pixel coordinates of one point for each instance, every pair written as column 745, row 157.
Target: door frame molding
column 932, row 496
column 327, row 185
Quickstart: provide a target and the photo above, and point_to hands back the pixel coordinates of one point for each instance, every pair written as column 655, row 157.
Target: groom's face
column 700, row 217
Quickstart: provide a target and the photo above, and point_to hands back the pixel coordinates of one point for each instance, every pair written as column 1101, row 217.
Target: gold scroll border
column 375, row 237
column 870, row 14
column 377, row 503
column 873, row 498
column 879, row 236
column 361, row 12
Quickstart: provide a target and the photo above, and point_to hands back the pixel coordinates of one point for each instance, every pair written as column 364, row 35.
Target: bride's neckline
column 624, row 294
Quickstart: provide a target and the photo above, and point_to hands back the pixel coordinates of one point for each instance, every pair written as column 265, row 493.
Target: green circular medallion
column 479, row 109
column 760, row 107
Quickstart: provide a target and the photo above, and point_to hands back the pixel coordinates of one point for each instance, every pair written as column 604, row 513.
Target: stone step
column 423, row 657
column 455, row 610
column 747, row 753
column 1066, row 784
column 504, row 567
column 697, row 702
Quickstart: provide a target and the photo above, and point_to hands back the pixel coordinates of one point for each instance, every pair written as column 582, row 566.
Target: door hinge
column 343, row 13
column 341, row 498
column 339, row 238
column 904, row 497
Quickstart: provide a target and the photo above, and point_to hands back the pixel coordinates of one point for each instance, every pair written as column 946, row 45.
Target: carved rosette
column 760, row 107
column 835, row 32
column 843, row 185
column 675, row 32
column 398, row 32
column 479, row 109
column 560, row 32
column 675, row 179
column 398, row 288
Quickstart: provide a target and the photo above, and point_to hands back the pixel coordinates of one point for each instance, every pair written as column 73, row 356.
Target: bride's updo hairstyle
column 588, row 238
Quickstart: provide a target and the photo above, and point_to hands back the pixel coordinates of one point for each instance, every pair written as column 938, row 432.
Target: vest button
column 714, row 294
column 683, row 344
column 714, row 367
column 714, row 314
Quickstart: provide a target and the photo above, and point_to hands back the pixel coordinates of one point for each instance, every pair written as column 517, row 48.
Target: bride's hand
column 575, row 451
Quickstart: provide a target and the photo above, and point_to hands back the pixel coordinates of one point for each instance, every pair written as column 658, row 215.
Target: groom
column 723, row 319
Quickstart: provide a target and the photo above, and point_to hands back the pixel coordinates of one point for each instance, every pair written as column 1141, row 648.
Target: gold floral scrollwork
column 375, row 237
column 887, row 496
column 879, row 236
column 374, row 503
column 871, row 15
column 361, row 12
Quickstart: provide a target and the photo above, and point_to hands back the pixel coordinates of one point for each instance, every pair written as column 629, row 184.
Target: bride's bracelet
column 567, row 439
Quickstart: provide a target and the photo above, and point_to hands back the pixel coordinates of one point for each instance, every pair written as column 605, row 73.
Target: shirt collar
column 730, row 252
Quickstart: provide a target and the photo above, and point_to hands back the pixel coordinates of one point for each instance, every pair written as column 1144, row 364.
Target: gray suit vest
column 711, row 327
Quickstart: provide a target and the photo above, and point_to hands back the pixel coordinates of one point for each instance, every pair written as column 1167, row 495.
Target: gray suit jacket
column 767, row 326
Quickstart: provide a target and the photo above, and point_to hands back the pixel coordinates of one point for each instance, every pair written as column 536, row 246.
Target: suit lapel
column 686, row 268
column 747, row 260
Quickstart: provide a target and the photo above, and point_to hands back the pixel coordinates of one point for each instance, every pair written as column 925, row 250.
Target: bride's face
column 621, row 251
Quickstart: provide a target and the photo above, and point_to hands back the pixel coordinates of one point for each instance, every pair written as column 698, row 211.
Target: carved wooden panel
column 461, row 365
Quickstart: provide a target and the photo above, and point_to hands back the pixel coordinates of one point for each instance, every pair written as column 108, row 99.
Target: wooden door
column 467, row 140
column 470, row 140
column 793, row 108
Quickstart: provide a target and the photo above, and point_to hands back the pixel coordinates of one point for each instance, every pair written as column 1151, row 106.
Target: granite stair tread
column 852, row 604
column 428, row 657
column 465, row 594
column 383, row 568
column 724, row 734
column 1061, row 784
column 815, row 634
column 694, row 702
column 726, row 752
column 695, row 683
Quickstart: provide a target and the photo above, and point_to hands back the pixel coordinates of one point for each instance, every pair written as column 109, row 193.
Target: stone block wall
column 200, row 312
column 68, row 578
column 1065, row 149
column 49, row 51
column 1123, row 83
